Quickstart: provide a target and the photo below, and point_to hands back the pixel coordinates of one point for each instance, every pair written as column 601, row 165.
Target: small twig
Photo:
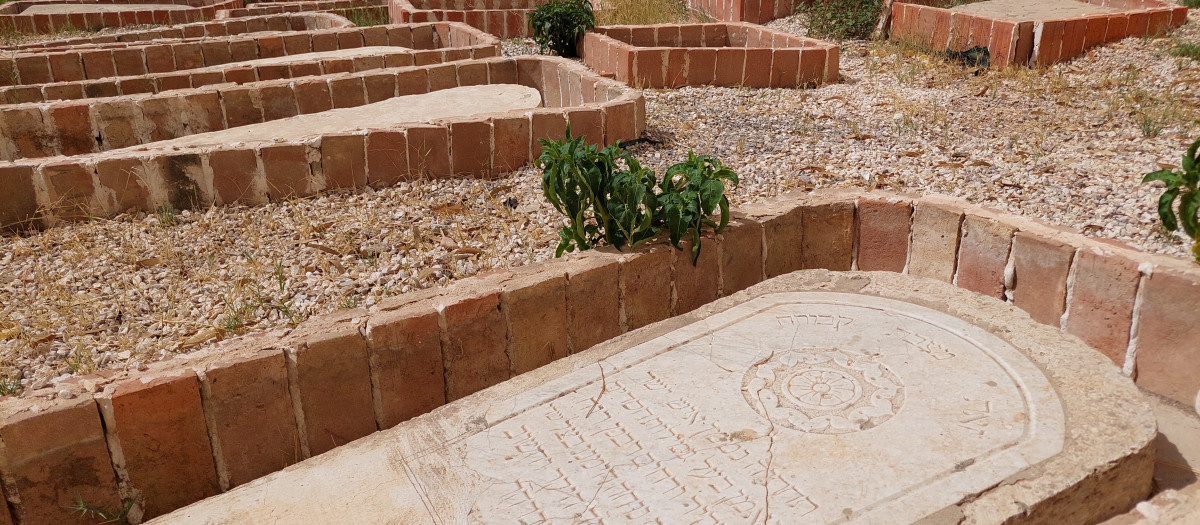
column 603, row 389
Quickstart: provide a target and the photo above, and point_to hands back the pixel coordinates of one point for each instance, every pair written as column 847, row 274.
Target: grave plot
column 890, row 360
column 1028, row 32
column 45, row 17
column 503, row 18
column 753, row 11
column 816, row 397
column 286, row 138
column 728, row 55
column 257, row 24
column 112, row 69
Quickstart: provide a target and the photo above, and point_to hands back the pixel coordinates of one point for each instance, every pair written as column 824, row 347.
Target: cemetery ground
column 1067, row 144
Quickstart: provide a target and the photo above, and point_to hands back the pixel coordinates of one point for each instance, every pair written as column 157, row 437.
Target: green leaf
column 1189, row 205
column 1165, row 211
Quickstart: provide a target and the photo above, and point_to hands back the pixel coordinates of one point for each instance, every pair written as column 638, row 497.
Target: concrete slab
column 815, row 397
column 427, row 107
column 59, row 9
column 354, row 52
column 1024, row 10
column 1177, row 464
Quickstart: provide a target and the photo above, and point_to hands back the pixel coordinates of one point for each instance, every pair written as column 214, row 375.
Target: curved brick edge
column 135, row 68
column 503, row 18
column 727, row 55
column 51, row 23
column 754, row 11
column 1032, row 43
column 255, row 404
column 278, row 7
column 289, row 22
column 105, row 184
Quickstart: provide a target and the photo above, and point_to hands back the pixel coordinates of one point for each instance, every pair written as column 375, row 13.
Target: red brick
column 1160, row 22
column 235, row 175
column 442, row 77
column 18, row 201
column 1167, row 337
column 187, row 56
column 470, row 146
column 758, row 68
column 324, row 41
column 1002, row 43
column 240, row 75
column 1023, row 49
column 65, row 67
column 248, row 402
column 941, row 30
column 429, row 151
column 593, row 301
column 1096, row 28
column 782, row 237
column 125, row 177
column 696, row 283
column 406, row 357
column 207, row 78
column 587, row 123
column 56, row 455
column 549, row 125
column 935, row 241
column 347, row 92
column 1040, row 269
column 1100, row 306
column 278, row 101
column 926, row 25
column 741, row 245
column 411, row 82
column 983, row 255
column 387, row 158
column 510, row 142
column 312, row 96
column 379, row 86
column 333, row 378
column 960, row 31
column 34, row 69
column 287, row 171
column 730, row 63
column 981, row 32
column 884, row 226
column 701, row 68
column 245, row 49
column 812, row 66
column 376, row 36
column 343, row 160
column 165, row 441
column 215, row 52
column 159, row 59
column 1139, row 23
column 1074, row 33
column 70, row 188
column 271, row 46
column 832, row 63
column 536, row 310
column 785, row 68
column 1118, row 28
column 646, row 285
column 475, row 343
column 828, row 238
column 74, row 125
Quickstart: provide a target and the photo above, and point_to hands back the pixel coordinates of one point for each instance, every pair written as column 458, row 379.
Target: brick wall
column 51, row 23
column 503, row 18
column 1032, row 43
column 288, row 22
column 729, row 55
column 753, row 11
column 248, row 407
column 112, row 69
column 104, row 184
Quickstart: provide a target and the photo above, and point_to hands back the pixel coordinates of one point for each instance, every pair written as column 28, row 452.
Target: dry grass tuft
column 645, row 12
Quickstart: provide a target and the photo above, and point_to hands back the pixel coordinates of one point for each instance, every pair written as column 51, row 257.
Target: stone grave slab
column 816, row 397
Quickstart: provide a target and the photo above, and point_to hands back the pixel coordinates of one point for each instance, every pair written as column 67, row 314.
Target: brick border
column 753, row 11
column 50, row 23
column 724, row 54
column 108, row 183
column 288, row 22
column 274, row 7
column 1034, row 43
column 415, row 352
column 503, row 18
column 134, row 68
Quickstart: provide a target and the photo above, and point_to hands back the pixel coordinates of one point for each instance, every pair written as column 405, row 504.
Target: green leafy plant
column 609, row 198
column 120, row 517
column 559, row 24
column 841, row 19
column 1181, row 185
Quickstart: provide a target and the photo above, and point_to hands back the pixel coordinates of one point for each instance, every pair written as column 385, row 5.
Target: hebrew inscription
column 791, row 408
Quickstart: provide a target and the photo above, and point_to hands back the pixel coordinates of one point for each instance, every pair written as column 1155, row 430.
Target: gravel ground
column 1068, row 144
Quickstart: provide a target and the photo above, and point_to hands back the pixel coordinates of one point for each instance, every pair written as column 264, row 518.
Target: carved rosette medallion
column 823, row 391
